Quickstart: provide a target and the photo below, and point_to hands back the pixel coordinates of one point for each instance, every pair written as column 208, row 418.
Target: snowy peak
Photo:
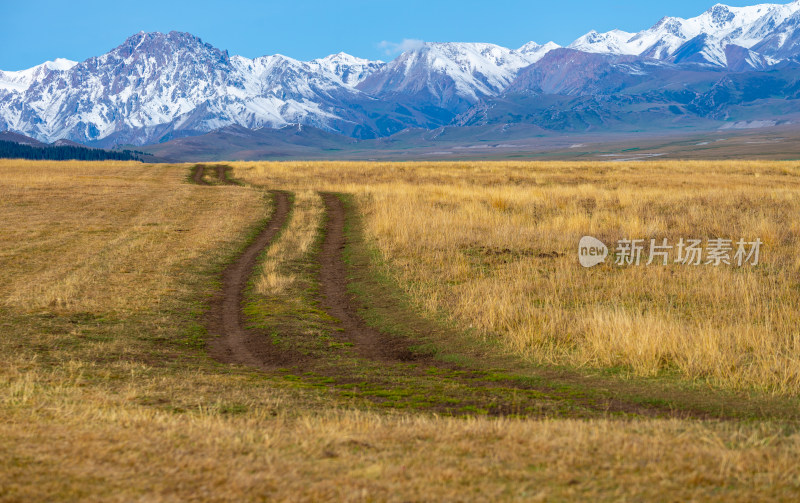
column 490, row 64
column 349, row 70
column 614, row 42
column 451, row 74
column 719, row 16
column 155, row 50
column 60, row 64
column 20, row 81
column 533, row 52
column 157, row 42
column 743, row 26
column 716, row 28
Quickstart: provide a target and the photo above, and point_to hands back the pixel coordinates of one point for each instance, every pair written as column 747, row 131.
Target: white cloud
column 408, row 44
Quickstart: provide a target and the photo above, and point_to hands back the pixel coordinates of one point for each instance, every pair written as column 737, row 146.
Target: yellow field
column 479, row 242
column 106, row 395
column 109, row 237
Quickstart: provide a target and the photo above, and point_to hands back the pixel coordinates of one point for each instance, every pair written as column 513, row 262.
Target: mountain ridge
column 157, row 87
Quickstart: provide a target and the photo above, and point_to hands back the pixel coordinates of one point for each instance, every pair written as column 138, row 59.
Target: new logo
column 591, row 251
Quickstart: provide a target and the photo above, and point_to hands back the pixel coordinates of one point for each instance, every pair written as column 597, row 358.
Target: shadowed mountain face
column 578, row 92
column 570, row 72
column 729, row 64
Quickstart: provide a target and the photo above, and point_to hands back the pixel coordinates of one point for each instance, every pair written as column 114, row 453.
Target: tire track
column 225, row 318
column 198, row 174
column 223, row 174
column 369, row 342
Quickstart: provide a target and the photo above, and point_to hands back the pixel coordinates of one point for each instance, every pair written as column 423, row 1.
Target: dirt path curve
column 223, row 173
column 235, row 344
column 198, row 172
column 337, row 302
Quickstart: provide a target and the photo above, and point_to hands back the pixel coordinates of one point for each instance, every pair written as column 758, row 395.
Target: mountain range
column 729, row 65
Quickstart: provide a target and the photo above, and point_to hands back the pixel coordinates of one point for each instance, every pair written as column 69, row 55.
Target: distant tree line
column 11, row 150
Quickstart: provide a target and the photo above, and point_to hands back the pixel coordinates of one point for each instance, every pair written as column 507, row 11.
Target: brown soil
column 223, row 173
column 198, row 172
column 369, row 342
column 234, row 343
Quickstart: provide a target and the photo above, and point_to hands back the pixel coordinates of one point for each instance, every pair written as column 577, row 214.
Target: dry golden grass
column 70, row 441
column 109, row 453
column 108, row 236
column 102, row 400
column 294, row 242
column 478, row 241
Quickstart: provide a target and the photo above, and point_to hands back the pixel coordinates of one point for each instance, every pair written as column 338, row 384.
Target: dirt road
column 383, row 365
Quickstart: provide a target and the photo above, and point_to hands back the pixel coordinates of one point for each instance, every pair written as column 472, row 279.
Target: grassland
column 107, row 392
column 494, row 246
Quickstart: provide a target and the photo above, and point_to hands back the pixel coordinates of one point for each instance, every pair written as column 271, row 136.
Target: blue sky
column 34, row 31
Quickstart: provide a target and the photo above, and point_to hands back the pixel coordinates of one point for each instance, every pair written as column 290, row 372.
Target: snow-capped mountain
column 21, row 80
column 612, row 42
column 451, row 75
column 534, row 52
column 155, row 87
column 784, row 41
column 348, row 69
column 158, row 86
column 173, row 84
column 707, row 35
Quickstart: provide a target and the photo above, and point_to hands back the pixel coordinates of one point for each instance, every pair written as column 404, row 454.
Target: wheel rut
column 221, row 172
column 369, row 342
column 234, row 343
column 198, row 175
